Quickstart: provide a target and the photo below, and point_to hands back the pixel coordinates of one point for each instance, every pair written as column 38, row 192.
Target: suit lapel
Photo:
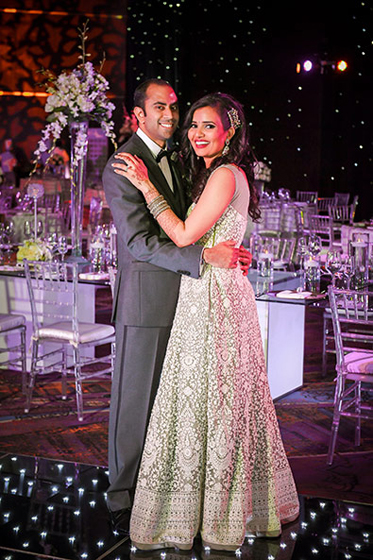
column 175, row 200
column 179, row 191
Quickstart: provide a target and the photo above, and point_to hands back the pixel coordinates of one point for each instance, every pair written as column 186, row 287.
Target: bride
column 213, row 461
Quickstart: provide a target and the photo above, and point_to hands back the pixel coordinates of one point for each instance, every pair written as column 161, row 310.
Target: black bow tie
column 163, row 153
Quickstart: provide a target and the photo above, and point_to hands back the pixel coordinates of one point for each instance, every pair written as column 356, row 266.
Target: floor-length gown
column 213, row 460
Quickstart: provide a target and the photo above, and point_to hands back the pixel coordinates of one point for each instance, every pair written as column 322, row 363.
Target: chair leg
column 23, row 361
column 358, row 412
column 78, row 384
column 324, row 345
column 339, row 390
column 31, row 384
column 112, row 357
column 64, row 374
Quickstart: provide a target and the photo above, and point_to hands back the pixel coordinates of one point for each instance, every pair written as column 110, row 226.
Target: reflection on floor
column 51, row 509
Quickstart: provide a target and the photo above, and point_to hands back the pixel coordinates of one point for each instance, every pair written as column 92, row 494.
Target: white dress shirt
column 155, row 149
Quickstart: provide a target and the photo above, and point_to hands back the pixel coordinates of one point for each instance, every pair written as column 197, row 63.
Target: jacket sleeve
column 138, row 230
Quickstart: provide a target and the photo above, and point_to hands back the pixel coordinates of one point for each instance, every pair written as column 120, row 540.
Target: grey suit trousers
column 139, row 357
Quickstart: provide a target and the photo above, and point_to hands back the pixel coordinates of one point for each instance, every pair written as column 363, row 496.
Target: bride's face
column 207, row 135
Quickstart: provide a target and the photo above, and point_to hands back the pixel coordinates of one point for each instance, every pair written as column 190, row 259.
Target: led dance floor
column 51, row 509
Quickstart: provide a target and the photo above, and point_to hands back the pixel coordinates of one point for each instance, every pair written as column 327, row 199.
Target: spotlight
column 342, row 65
column 321, row 66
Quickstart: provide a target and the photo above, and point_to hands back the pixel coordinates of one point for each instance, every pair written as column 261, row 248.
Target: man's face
column 161, row 116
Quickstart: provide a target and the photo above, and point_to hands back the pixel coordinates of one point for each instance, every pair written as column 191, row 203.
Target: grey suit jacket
column 149, row 264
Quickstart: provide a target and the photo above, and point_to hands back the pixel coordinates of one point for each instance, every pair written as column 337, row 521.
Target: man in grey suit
column 146, row 288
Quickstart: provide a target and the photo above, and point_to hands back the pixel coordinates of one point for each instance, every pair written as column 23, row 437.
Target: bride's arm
column 214, row 200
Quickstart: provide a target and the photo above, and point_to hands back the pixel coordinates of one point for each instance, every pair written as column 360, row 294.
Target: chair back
column 341, row 198
column 284, row 252
column 323, row 226
column 352, row 316
column 286, row 249
column 341, row 214
column 66, row 216
column 303, row 217
column 354, row 204
column 306, row 196
column 52, row 203
column 53, row 293
column 55, row 223
column 270, row 221
column 95, row 213
column 112, row 276
column 290, row 220
column 323, row 204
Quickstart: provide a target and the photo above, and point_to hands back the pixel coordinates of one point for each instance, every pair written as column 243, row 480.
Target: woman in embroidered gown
column 213, row 460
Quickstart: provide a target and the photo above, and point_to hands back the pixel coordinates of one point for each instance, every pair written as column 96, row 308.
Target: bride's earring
column 226, row 148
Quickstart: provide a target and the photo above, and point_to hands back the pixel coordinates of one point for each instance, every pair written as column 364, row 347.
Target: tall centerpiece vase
column 79, row 145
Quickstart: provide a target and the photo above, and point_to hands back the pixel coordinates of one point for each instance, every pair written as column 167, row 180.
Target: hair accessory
column 234, row 118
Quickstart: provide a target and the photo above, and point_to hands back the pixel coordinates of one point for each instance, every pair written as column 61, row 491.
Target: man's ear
column 139, row 114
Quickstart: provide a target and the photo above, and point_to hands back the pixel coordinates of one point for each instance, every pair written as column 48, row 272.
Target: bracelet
column 166, row 207
column 154, row 202
column 157, row 206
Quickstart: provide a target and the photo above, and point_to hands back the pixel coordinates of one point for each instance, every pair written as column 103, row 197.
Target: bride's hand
column 133, row 168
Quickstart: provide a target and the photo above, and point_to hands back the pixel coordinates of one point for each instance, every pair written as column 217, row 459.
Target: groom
column 147, row 286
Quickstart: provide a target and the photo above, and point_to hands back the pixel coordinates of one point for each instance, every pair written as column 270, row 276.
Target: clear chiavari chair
column 61, row 342
column 323, row 204
column 306, row 196
column 13, row 334
column 352, row 316
column 342, row 198
column 323, row 226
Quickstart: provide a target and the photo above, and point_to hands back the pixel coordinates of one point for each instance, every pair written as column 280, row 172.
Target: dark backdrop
column 314, row 130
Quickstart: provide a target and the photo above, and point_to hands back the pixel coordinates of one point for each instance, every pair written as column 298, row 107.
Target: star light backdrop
column 314, row 129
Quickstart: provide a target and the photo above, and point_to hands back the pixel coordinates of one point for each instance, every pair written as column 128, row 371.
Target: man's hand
column 226, row 255
column 223, row 255
column 244, row 258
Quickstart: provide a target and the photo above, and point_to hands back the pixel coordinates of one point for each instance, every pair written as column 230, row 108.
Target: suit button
column 186, row 272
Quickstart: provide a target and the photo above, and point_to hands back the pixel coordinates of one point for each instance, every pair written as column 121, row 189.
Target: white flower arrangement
column 76, row 96
column 262, row 172
column 34, row 251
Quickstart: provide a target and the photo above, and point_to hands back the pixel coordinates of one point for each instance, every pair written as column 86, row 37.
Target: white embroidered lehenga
column 213, row 461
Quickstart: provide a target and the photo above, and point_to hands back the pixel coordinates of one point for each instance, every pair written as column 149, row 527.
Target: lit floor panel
column 51, row 509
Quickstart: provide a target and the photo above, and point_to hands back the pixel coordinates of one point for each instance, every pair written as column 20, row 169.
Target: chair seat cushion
column 359, row 362
column 8, row 322
column 279, row 264
column 88, row 332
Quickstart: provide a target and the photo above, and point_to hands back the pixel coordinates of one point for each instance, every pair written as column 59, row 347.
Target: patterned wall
column 37, row 34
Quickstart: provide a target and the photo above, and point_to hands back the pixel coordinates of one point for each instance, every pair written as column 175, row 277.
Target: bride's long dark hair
column 239, row 153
